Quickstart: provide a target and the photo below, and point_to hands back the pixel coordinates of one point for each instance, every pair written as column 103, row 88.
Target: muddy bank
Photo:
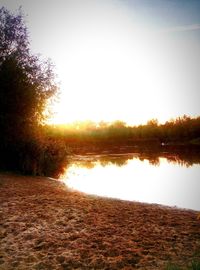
column 43, row 225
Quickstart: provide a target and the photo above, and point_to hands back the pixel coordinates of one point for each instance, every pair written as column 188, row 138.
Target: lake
column 162, row 180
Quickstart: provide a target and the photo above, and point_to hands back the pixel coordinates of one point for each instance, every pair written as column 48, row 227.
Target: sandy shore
column 43, row 225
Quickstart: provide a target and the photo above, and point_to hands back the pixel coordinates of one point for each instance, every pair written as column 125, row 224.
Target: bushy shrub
column 35, row 157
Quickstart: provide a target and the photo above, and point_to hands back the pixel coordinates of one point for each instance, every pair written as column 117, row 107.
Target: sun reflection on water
column 136, row 180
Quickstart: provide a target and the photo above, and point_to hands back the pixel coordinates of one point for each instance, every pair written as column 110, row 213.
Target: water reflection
column 162, row 180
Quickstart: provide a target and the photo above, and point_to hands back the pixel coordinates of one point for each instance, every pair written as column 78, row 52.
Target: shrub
column 35, row 157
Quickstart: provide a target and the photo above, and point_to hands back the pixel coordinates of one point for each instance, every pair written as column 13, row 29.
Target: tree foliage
column 26, row 83
column 180, row 131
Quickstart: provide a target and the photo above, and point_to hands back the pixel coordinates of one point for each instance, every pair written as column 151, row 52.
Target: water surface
column 168, row 181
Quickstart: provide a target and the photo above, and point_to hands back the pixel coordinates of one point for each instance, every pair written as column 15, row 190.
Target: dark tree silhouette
column 27, row 86
column 26, row 83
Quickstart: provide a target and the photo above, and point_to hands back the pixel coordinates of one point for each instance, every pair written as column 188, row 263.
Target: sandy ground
column 43, row 225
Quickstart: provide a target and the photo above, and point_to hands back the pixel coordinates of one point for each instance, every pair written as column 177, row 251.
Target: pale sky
column 131, row 60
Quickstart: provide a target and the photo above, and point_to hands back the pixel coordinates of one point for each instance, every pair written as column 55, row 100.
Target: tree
column 26, row 83
column 27, row 86
column 13, row 35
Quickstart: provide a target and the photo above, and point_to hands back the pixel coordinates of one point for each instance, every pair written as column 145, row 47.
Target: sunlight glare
column 139, row 181
column 109, row 70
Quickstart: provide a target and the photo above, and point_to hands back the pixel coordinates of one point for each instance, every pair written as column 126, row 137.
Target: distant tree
column 26, row 83
column 118, row 124
column 102, row 125
column 152, row 122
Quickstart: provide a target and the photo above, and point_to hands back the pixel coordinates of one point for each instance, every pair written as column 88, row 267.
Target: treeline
column 27, row 86
column 180, row 131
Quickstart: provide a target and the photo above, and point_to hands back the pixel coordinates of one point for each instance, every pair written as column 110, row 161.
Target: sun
column 107, row 81
column 109, row 71
column 102, row 84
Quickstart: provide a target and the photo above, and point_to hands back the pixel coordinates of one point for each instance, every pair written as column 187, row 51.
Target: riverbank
column 44, row 225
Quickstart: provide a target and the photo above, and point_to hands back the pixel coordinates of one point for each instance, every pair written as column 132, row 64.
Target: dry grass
column 43, row 225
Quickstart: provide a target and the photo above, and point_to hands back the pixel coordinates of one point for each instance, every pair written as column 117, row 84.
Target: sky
column 129, row 60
